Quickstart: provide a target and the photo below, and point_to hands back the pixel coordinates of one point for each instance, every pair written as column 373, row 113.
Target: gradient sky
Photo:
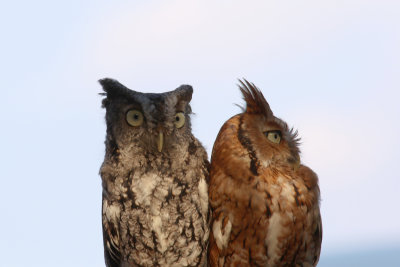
column 331, row 69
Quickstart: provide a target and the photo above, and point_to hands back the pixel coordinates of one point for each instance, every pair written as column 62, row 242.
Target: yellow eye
column 179, row 120
column 134, row 117
column 274, row 136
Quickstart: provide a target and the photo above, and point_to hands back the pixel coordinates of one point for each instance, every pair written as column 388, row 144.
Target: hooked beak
column 160, row 141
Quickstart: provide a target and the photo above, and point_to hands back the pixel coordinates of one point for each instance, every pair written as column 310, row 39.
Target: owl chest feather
column 289, row 221
column 264, row 219
column 162, row 217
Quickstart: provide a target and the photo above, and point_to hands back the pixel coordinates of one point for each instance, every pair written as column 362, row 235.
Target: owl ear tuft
column 184, row 92
column 112, row 88
column 255, row 101
column 184, row 95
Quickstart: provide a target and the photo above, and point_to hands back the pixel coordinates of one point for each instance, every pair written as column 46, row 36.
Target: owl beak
column 160, row 141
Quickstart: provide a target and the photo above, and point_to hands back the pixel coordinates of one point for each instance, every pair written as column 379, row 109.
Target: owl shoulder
column 310, row 179
column 227, row 133
column 196, row 148
column 309, row 176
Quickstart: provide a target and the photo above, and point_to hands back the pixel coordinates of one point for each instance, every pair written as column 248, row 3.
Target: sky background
column 331, row 69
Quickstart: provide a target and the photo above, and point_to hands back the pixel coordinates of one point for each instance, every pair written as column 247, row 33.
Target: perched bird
column 154, row 175
column 265, row 203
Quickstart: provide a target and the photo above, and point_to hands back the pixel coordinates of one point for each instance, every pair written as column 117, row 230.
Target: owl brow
column 275, row 126
column 134, row 105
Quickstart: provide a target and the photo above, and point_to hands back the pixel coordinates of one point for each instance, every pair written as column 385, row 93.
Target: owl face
column 156, row 123
column 275, row 141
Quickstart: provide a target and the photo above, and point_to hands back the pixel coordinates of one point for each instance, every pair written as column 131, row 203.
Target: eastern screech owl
column 154, row 175
column 265, row 204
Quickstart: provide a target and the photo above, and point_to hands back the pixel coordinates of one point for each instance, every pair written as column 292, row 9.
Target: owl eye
column 134, row 117
column 274, row 136
column 179, row 120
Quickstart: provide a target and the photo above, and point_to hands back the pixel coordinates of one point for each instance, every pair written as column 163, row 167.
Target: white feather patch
column 112, row 211
column 157, row 227
column 222, row 235
column 143, row 188
column 203, row 193
column 274, row 229
column 288, row 192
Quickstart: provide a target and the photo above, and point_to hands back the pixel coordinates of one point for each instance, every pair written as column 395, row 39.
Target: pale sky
column 331, row 69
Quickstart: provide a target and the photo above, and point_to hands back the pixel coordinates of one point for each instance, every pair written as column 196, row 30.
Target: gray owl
column 154, row 175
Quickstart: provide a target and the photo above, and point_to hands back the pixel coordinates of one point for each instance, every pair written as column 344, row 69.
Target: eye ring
column 274, row 136
column 179, row 120
column 134, row 117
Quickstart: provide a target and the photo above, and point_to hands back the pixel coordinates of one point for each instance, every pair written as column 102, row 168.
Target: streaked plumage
column 155, row 172
column 265, row 204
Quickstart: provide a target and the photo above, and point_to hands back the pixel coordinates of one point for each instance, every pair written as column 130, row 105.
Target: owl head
column 146, row 122
column 270, row 137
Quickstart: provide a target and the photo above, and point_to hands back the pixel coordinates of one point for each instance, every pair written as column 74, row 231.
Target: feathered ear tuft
column 184, row 95
column 112, row 88
column 184, row 92
column 255, row 101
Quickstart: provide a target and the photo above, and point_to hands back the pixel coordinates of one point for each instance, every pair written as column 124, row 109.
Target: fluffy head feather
column 255, row 101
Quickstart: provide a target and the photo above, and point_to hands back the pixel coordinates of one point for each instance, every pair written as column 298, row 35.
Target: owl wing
column 219, row 239
column 213, row 252
column 310, row 179
column 317, row 239
column 112, row 252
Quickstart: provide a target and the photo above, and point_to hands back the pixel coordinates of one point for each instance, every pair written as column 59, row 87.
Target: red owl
column 265, row 203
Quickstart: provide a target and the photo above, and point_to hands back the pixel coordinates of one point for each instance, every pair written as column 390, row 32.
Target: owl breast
column 162, row 216
column 289, row 216
column 268, row 225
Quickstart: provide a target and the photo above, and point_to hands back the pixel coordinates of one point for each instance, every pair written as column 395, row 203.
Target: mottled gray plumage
column 155, row 201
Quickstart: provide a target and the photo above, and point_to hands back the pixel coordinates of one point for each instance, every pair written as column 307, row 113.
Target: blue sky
column 331, row 69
